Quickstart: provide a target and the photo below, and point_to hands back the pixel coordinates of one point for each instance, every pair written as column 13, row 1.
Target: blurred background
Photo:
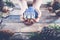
column 11, row 27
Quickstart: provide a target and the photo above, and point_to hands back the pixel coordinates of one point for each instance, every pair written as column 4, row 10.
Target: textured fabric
column 30, row 13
